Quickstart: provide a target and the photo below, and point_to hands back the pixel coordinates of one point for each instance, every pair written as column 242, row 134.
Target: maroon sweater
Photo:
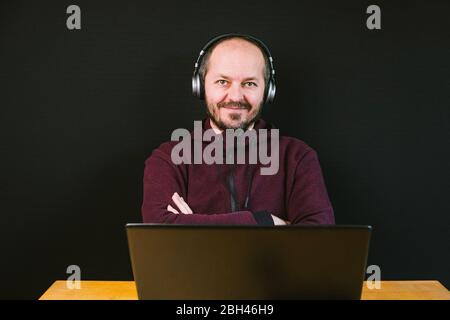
column 296, row 193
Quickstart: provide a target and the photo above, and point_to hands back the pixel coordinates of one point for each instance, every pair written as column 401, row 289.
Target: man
column 236, row 73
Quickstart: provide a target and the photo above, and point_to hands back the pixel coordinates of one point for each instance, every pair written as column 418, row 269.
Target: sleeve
column 162, row 179
column 308, row 202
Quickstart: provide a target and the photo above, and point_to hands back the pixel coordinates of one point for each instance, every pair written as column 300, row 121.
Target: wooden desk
column 126, row 290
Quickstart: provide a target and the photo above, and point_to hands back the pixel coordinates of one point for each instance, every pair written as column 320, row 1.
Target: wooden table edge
column 126, row 290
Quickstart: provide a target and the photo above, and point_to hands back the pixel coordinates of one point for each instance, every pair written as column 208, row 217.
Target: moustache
column 240, row 105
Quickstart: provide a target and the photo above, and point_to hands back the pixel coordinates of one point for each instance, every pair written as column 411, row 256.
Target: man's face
column 234, row 84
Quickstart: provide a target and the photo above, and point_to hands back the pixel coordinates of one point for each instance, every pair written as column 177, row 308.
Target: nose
column 235, row 92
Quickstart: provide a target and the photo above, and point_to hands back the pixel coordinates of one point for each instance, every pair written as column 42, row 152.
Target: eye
column 222, row 82
column 250, row 84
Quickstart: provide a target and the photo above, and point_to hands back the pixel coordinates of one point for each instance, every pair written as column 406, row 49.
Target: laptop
column 229, row 262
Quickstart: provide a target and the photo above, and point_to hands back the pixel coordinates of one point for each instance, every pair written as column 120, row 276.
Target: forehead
column 237, row 57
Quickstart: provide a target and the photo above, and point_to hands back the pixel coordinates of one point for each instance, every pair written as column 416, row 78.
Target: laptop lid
column 248, row 262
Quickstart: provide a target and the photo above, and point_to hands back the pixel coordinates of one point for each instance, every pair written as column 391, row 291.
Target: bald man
column 235, row 72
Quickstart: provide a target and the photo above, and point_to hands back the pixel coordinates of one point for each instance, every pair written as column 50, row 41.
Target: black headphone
column 197, row 83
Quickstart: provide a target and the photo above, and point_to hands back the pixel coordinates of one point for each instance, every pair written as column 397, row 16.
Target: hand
column 182, row 206
column 279, row 222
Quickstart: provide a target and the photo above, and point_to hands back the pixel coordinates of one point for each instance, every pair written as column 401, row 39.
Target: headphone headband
column 197, row 83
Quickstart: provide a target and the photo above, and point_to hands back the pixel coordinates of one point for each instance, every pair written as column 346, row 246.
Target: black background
column 81, row 110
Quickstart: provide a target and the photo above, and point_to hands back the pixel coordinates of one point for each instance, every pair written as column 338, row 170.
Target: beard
column 242, row 123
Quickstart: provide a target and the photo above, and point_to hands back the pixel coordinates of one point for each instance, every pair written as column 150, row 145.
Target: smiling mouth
column 235, row 108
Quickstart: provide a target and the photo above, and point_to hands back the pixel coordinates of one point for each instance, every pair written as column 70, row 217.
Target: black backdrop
column 81, row 110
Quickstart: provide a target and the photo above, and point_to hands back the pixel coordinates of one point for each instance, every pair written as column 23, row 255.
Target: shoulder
column 163, row 152
column 295, row 148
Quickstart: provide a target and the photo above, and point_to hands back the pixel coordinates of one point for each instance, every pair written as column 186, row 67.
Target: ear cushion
column 196, row 86
column 201, row 88
column 270, row 94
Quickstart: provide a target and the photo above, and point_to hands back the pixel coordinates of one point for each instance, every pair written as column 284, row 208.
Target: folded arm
column 162, row 179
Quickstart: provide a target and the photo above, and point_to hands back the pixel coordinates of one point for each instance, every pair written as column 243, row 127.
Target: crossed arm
column 308, row 202
column 184, row 208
